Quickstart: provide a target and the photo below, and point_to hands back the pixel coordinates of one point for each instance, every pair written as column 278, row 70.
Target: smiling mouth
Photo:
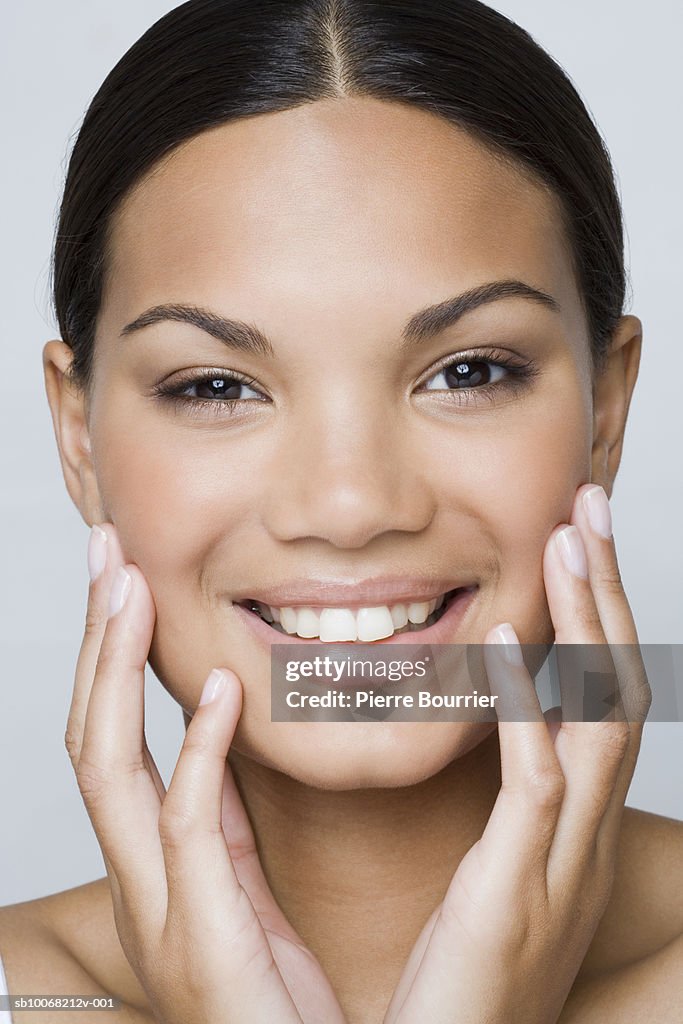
column 345, row 624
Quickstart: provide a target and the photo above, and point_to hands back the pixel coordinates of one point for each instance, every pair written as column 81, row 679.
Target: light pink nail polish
column 97, row 551
column 596, row 504
column 506, row 639
column 213, row 687
column 120, row 590
column 572, row 551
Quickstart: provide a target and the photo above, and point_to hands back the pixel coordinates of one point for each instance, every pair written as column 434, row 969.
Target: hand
column 507, row 942
column 194, row 913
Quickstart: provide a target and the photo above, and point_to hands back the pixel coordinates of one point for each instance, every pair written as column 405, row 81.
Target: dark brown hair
column 211, row 61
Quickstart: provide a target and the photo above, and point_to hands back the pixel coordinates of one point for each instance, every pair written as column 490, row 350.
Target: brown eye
column 220, row 387
column 210, row 388
column 466, row 373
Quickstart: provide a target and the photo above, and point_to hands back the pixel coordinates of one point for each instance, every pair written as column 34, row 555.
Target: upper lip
column 333, row 592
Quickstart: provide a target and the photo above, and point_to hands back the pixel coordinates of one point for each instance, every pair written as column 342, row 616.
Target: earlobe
column 69, row 418
column 612, row 393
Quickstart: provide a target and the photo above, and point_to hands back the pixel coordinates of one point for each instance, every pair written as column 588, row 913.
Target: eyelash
column 519, row 375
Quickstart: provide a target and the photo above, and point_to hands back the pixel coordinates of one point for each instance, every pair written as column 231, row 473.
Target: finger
column 592, row 516
column 581, row 644
column 113, row 775
column 532, row 783
column 210, row 912
column 570, row 594
column 592, row 507
column 104, row 558
column 592, row 753
column 241, row 842
column 589, row 752
column 412, row 966
column 202, row 881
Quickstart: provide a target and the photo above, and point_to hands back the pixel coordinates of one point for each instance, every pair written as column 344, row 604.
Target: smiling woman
column 344, row 359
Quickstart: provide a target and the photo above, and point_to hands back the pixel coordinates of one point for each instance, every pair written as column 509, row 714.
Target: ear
column 612, row 392
column 68, row 406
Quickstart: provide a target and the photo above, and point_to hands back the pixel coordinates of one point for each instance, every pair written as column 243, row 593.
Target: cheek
column 173, row 496
column 528, row 489
column 184, row 504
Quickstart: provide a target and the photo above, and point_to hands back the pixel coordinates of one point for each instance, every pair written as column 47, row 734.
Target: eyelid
column 518, row 375
column 502, row 357
column 184, row 378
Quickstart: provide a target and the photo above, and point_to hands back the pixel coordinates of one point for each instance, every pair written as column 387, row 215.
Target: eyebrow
column 425, row 324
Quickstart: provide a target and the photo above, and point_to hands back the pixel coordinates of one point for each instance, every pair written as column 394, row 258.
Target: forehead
column 330, row 197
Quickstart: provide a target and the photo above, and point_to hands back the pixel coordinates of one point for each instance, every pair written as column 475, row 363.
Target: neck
column 337, row 860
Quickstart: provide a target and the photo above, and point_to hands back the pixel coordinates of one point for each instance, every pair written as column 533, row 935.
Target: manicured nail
column 596, row 504
column 572, row 551
column 213, row 686
column 506, row 637
column 120, row 589
column 97, row 551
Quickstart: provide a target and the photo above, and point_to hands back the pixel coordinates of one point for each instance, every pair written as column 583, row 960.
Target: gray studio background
column 54, row 56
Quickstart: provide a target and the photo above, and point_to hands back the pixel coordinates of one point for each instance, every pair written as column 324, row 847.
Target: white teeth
column 399, row 616
column 339, row 624
column 374, row 623
column 419, row 611
column 307, row 622
column 288, row 620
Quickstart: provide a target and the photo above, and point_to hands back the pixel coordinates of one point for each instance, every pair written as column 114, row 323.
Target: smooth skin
column 347, row 465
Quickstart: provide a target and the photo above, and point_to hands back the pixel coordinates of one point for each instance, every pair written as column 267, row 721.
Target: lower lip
column 442, row 631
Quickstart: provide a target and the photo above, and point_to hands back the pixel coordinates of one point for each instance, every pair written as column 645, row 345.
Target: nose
column 346, row 475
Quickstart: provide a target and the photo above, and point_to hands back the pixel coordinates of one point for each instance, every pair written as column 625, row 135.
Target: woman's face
column 351, row 455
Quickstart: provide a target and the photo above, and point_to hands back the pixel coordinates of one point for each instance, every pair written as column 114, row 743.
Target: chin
column 362, row 755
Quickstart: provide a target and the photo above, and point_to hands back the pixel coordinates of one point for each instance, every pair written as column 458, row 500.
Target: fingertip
column 104, row 555
column 551, row 545
column 130, row 599
column 115, row 552
column 220, row 681
column 505, row 642
column 97, row 552
column 233, row 686
column 138, row 583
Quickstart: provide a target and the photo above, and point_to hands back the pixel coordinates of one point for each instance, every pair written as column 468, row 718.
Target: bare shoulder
column 645, row 911
column 66, row 944
column 633, row 967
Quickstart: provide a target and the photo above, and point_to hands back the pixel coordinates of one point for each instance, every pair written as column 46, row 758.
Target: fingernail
column 509, row 644
column 213, row 686
column 97, row 551
column 572, row 551
column 120, row 589
column 596, row 504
